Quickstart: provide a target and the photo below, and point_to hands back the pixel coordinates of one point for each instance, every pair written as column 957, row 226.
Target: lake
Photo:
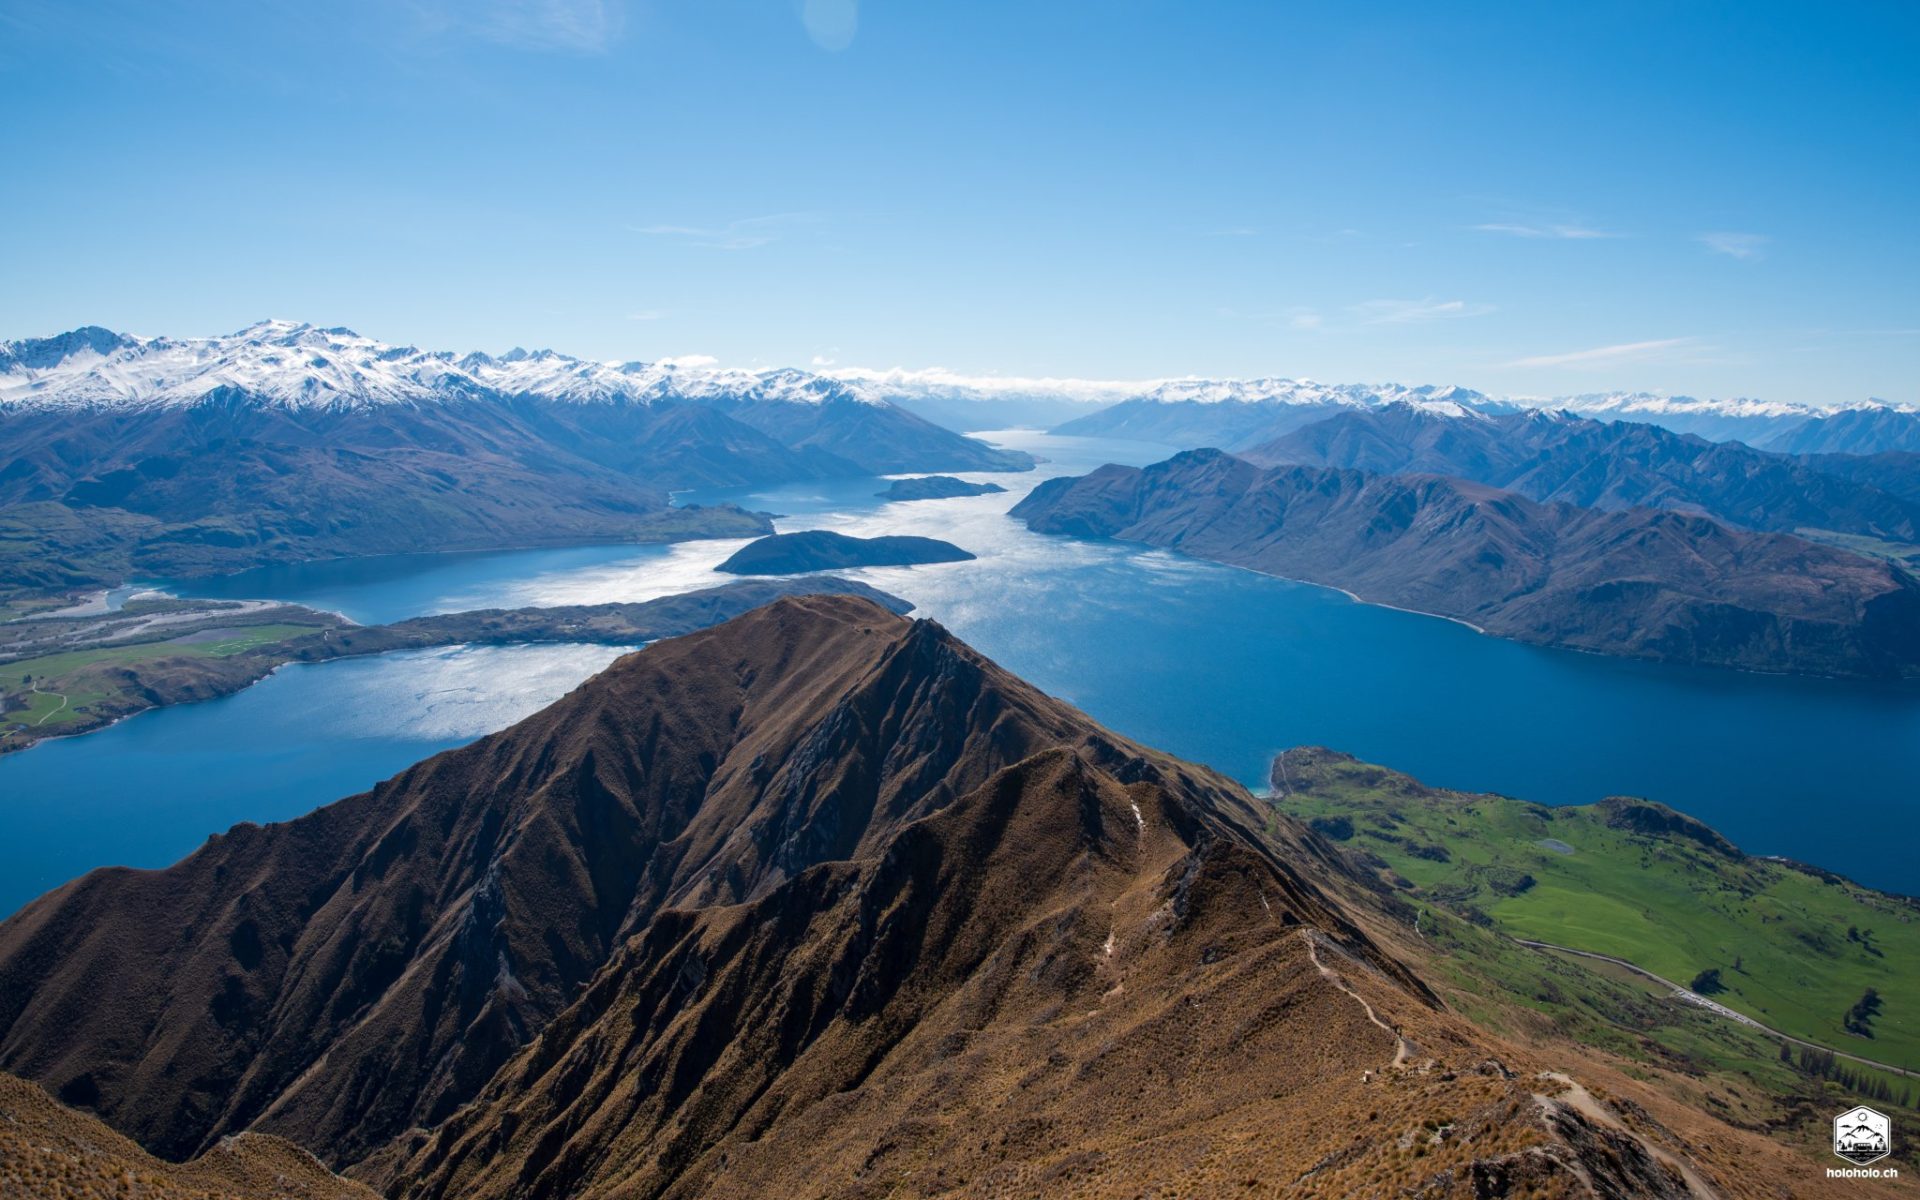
column 1208, row 662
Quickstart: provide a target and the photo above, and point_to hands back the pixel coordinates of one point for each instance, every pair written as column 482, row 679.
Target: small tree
column 1708, row 982
column 1859, row 1018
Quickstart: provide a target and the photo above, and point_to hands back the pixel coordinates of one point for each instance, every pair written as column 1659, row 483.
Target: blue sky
column 1717, row 199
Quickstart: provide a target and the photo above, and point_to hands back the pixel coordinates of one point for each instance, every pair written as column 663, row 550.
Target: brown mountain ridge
column 819, row 902
column 47, row 1149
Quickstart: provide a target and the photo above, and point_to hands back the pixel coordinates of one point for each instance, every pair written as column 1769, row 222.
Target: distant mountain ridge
column 1866, row 430
column 300, row 365
column 286, row 442
column 1234, row 413
column 774, row 425
column 1734, row 418
column 1612, row 465
column 1230, row 414
column 1637, row 582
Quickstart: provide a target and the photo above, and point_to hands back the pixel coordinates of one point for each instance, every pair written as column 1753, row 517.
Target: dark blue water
column 1207, row 662
column 147, row 791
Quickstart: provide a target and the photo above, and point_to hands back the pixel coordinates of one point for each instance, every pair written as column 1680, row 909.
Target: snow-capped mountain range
column 1642, row 405
column 1445, row 400
column 300, row 366
column 1731, row 419
column 124, row 456
column 1229, row 412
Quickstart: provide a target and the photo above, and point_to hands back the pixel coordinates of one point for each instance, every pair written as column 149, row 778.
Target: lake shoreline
column 1216, row 663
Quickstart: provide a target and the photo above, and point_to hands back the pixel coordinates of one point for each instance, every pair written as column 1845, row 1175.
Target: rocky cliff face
column 1646, row 583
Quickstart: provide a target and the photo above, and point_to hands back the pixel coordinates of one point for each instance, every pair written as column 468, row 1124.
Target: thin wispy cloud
column 1409, row 312
column 831, row 24
column 1090, row 390
column 1574, row 233
column 564, row 26
column 1736, row 245
column 1610, row 356
column 747, row 233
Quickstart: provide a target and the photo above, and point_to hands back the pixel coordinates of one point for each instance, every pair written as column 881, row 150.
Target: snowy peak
column 1446, row 399
column 280, row 362
column 1652, row 404
column 41, row 353
column 299, row 366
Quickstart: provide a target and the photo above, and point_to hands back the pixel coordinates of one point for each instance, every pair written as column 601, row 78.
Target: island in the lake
column 936, row 487
column 823, row 550
column 62, row 675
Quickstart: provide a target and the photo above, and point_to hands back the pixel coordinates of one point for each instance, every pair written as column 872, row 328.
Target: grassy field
column 1794, row 949
column 1718, row 1065
column 32, row 689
